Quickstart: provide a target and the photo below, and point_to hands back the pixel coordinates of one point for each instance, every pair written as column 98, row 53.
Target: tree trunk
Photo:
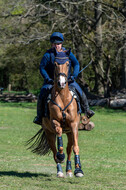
column 107, row 80
column 124, row 66
column 98, row 66
column 80, row 57
column 123, row 82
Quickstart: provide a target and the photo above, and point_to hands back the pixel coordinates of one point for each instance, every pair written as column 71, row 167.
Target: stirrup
column 37, row 121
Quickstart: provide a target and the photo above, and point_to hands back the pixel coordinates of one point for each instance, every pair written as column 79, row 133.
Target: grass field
column 102, row 153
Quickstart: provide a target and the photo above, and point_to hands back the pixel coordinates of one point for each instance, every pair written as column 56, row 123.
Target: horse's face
column 61, row 74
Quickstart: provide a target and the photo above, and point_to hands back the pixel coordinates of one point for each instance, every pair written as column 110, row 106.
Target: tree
column 28, row 23
column 98, row 66
column 124, row 48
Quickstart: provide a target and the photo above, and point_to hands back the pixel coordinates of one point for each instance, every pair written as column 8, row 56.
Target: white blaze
column 62, row 81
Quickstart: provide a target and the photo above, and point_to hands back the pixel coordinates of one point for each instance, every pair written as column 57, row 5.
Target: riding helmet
column 57, row 38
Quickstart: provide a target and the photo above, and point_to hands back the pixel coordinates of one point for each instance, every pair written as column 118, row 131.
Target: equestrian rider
column 47, row 72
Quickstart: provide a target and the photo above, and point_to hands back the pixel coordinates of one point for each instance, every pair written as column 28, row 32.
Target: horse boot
column 38, row 118
column 78, row 171
column 85, row 106
column 60, row 155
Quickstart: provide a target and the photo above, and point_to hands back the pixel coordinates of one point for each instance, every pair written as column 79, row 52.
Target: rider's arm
column 75, row 65
column 45, row 60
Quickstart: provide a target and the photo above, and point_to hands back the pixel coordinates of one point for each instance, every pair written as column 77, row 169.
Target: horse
column 63, row 118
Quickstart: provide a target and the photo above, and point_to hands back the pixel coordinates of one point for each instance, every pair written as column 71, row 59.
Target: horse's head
column 61, row 69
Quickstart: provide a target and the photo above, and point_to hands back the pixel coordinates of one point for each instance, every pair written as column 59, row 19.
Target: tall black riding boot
column 38, row 118
column 85, row 106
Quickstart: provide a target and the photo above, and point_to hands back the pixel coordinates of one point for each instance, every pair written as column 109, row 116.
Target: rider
column 47, row 72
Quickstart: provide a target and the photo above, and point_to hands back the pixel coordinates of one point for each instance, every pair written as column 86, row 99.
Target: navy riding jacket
column 47, row 65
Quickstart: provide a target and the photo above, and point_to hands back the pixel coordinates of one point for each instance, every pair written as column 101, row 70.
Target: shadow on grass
column 21, row 175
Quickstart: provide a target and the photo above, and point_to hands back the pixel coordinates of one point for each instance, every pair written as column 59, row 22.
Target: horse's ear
column 68, row 51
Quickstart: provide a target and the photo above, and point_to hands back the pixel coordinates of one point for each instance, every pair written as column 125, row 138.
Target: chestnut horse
column 63, row 118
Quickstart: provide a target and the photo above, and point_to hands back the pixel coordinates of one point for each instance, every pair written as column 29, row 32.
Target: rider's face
column 57, row 46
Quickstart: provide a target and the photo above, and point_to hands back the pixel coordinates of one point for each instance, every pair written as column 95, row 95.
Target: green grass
column 102, row 152
column 35, row 92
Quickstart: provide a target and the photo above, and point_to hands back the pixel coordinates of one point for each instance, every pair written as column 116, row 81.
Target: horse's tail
column 40, row 145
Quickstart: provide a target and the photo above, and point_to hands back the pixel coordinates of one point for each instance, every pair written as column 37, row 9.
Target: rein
column 63, row 114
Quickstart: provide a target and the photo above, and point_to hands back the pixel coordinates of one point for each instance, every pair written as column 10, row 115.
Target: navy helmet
column 57, row 38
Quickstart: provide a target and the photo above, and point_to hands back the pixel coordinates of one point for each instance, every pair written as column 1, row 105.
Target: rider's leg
column 41, row 103
column 85, row 106
column 38, row 118
column 83, row 100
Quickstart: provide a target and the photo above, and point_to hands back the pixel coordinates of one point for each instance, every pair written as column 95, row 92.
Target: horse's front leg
column 78, row 172
column 52, row 143
column 60, row 156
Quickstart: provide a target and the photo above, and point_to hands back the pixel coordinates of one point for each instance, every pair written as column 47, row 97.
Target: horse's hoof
column 69, row 174
column 60, row 174
column 79, row 175
column 78, row 172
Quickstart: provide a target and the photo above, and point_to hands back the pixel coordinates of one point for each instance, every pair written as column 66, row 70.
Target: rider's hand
column 71, row 79
column 50, row 81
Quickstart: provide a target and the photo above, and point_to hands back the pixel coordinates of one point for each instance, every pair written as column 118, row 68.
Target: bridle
column 60, row 74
